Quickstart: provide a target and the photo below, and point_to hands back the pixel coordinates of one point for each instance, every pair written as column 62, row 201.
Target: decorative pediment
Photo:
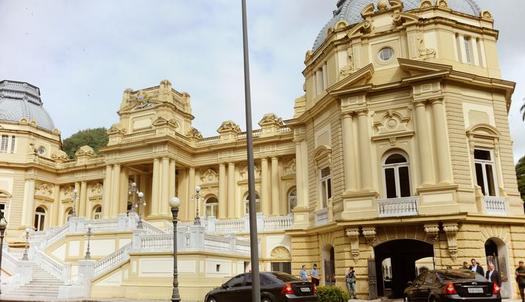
column 425, row 4
column 4, row 195
column 357, row 79
column 194, row 133
column 66, row 193
column 243, row 172
column 281, row 253
column 418, row 67
column 44, row 190
column 270, row 119
column 115, row 129
column 323, row 156
column 392, row 120
column 59, row 156
column 483, row 131
column 289, row 169
column 209, row 176
column 95, row 190
column 160, row 121
column 229, row 127
column 85, row 151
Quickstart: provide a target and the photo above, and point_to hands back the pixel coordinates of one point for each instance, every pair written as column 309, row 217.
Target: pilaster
column 223, row 202
column 232, row 204
column 265, row 188
column 275, row 186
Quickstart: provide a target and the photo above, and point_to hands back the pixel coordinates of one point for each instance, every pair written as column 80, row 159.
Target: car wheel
column 406, row 299
column 211, row 299
column 266, row 299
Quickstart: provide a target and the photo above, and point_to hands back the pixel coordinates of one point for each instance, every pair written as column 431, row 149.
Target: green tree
column 95, row 138
column 520, row 173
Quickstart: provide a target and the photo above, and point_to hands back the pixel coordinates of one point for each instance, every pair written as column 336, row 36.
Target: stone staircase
column 43, row 286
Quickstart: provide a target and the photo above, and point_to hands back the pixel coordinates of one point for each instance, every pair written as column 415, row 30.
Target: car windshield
column 285, row 277
column 459, row 275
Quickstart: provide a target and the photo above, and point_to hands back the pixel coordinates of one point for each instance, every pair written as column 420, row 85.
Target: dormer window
column 386, row 53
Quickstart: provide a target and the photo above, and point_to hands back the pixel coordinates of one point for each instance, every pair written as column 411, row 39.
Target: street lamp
column 3, row 226
column 174, row 203
column 197, row 220
column 135, row 206
column 26, row 246
column 88, row 252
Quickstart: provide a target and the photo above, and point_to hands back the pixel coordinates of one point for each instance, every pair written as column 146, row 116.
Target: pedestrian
column 350, row 282
column 475, row 267
column 303, row 275
column 315, row 275
column 520, row 279
column 493, row 275
column 465, row 265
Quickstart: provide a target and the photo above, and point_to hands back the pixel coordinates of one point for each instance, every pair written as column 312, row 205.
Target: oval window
column 386, row 53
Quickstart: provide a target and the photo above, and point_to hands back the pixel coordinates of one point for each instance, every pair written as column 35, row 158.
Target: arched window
column 40, row 217
column 397, row 179
column 212, row 207
column 292, row 199
column 97, row 212
column 247, row 201
column 67, row 214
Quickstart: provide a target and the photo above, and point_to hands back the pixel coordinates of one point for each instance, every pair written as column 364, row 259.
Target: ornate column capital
column 432, row 231
column 353, row 234
column 370, row 234
column 436, row 100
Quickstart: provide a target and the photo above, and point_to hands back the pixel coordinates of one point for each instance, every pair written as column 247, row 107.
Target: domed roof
column 20, row 100
column 350, row 11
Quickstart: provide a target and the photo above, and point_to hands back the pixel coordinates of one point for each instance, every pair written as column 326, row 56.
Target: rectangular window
column 2, row 210
column 480, row 52
column 3, row 144
column 390, row 180
column 326, row 187
column 285, row 267
column 404, row 182
column 13, row 144
column 485, row 177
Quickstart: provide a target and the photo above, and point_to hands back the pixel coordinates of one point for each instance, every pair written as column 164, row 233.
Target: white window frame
column 469, row 50
column 291, row 197
column 97, row 214
column 397, row 176
column 324, row 181
column 212, row 206
column 4, row 143
column 40, row 219
column 484, row 163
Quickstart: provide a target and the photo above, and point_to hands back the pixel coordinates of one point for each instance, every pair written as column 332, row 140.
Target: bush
column 332, row 294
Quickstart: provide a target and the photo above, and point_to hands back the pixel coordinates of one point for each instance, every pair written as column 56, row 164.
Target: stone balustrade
column 398, row 207
column 495, row 205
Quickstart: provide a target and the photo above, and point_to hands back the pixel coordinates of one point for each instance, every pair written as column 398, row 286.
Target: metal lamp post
column 174, row 204
column 88, row 251
column 143, row 202
column 25, row 257
column 3, row 226
column 197, row 220
column 135, row 204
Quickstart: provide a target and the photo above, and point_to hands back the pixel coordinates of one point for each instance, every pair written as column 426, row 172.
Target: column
column 190, row 197
column 265, row 189
column 76, row 202
column 171, row 187
column 348, row 154
column 165, row 181
column 115, row 190
column 106, row 199
column 82, row 204
column 142, row 187
column 232, row 205
column 29, row 202
column 441, row 142
column 155, row 188
column 56, row 206
column 364, row 151
column 275, row 187
column 223, row 202
column 424, row 144
column 304, row 161
column 299, row 182
column 124, row 191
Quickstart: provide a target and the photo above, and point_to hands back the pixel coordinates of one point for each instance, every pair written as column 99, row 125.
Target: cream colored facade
column 400, row 140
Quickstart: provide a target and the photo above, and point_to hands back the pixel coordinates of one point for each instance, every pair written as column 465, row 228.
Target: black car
column 451, row 285
column 275, row 287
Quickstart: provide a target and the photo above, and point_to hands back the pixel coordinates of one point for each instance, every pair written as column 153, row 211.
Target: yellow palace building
column 398, row 156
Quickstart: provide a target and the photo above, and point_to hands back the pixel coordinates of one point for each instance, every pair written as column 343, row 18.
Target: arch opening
column 496, row 252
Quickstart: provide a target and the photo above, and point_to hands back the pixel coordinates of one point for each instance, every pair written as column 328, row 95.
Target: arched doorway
column 329, row 265
column 401, row 257
column 496, row 252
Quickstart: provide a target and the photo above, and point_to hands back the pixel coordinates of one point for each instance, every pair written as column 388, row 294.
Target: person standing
column 520, row 279
column 350, row 282
column 465, row 265
column 303, row 275
column 493, row 275
column 475, row 267
column 315, row 275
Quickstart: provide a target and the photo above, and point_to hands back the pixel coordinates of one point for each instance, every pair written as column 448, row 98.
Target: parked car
column 451, row 285
column 275, row 287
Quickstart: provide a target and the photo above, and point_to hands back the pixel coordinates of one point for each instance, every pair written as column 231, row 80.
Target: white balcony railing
column 398, row 207
column 495, row 205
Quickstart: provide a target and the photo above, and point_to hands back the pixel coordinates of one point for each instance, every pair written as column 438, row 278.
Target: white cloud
column 83, row 54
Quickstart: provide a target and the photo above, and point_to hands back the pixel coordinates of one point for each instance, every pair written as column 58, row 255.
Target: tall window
column 40, row 216
column 397, row 179
column 212, row 207
column 469, row 52
column 68, row 214
column 292, row 199
column 13, row 140
column 485, row 171
column 247, row 203
column 97, row 212
column 4, row 143
column 3, row 210
column 326, row 187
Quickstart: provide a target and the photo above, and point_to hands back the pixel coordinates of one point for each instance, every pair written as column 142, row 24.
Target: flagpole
column 254, row 246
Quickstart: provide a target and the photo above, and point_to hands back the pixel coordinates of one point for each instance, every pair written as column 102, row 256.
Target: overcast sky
column 83, row 54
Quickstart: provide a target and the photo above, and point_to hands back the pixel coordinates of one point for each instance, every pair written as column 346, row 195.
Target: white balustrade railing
column 112, row 260
column 156, row 242
column 321, row 216
column 495, row 205
column 278, row 223
column 58, row 270
column 9, row 262
column 398, row 207
column 230, row 226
